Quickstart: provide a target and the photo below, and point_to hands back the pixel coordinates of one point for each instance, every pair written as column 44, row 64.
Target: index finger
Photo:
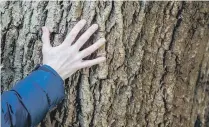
column 84, row 37
column 74, row 32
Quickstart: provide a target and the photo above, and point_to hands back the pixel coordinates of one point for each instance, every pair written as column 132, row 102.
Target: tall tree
column 157, row 68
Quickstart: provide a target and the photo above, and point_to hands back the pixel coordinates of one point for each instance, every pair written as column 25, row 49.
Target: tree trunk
column 157, row 68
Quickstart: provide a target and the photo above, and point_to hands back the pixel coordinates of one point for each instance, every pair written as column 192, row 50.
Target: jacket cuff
column 55, row 92
column 40, row 91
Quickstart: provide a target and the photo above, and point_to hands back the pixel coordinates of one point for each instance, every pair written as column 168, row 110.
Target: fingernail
column 103, row 58
column 83, row 21
column 103, row 40
column 95, row 26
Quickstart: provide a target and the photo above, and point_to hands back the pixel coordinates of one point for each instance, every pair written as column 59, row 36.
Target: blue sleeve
column 27, row 103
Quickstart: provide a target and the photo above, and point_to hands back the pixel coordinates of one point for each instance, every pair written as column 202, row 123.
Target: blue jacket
column 27, row 103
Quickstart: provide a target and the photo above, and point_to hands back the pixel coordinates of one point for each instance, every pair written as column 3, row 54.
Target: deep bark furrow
column 157, row 68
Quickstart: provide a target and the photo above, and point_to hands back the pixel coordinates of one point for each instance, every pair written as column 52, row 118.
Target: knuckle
column 84, row 38
column 88, row 51
column 91, row 31
column 78, row 57
column 73, row 34
column 75, row 48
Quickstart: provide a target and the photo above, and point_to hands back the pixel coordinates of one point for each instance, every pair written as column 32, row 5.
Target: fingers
column 89, row 63
column 74, row 32
column 86, row 36
column 91, row 48
column 46, row 38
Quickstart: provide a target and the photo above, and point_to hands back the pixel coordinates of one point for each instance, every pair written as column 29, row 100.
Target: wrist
column 49, row 68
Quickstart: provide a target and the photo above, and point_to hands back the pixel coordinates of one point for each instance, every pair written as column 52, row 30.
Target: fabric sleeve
column 30, row 99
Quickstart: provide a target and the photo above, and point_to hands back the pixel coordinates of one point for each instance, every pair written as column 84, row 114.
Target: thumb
column 46, row 38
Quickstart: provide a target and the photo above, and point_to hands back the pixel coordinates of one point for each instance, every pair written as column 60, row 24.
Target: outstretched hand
column 66, row 58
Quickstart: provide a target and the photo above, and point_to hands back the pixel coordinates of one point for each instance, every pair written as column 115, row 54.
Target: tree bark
column 157, row 68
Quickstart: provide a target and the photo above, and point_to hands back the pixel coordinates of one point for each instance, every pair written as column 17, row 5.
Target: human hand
column 66, row 58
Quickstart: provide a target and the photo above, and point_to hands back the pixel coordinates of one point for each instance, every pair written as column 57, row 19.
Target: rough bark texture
column 157, row 68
